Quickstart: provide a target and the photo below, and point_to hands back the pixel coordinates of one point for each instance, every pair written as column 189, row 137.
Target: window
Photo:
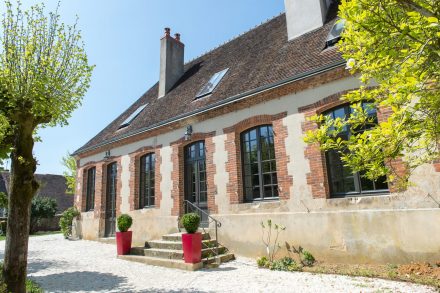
column 342, row 181
column 146, row 182
column 212, row 83
column 335, row 33
column 259, row 165
column 133, row 115
column 90, row 189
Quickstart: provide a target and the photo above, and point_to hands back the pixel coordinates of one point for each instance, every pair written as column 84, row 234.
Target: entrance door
column 195, row 178
column 110, row 203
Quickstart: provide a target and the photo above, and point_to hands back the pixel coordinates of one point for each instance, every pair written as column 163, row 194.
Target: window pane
column 341, row 179
column 259, row 161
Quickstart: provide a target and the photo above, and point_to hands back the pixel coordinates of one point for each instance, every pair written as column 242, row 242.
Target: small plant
column 191, row 222
column 271, row 243
column 66, row 221
column 124, row 222
column 285, row 264
column 263, row 262
column 305, row 257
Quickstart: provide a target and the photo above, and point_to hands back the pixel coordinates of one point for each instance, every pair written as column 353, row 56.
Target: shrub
column 124, row 222
column 66, row 221
column 285, row 264
column 191, row 222
column 263, row 262
column 42, row 207
column 307, row 258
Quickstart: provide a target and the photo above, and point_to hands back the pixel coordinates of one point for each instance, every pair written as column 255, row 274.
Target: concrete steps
column 167, row 252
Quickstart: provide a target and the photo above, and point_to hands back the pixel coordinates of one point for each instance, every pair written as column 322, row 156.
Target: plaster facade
column 391, row 227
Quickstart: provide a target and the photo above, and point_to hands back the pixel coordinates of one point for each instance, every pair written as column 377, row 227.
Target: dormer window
column 335, row 33
column 212, row 84
column 130, row 118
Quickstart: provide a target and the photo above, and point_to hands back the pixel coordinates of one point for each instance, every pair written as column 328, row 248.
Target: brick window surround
column 317, row 178
column 234, row 163
column 178, row 173
column 135, row 158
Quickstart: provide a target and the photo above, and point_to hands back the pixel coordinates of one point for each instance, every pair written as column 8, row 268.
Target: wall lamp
column 188, row 132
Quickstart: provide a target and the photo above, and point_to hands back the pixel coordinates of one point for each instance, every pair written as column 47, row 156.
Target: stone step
column 178, row 236
column 177, row 245
column 168, row 263
column 171, row 253
column 221, row 258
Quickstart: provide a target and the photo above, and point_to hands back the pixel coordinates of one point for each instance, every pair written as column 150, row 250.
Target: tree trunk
column 23, row 188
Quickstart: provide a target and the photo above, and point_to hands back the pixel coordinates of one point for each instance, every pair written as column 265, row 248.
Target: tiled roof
column 53, row 186
column 256, row 59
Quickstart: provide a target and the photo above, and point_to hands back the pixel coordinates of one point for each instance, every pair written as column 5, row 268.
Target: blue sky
column 122, row 40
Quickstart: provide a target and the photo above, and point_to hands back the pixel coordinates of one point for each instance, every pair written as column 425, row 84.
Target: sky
column 122, row 41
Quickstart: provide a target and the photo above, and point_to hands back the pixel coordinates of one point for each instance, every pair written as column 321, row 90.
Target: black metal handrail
column 187, row 205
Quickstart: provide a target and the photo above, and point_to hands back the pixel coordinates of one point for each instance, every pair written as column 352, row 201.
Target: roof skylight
column 133, row 115
column 212, row 84
column 335, row 33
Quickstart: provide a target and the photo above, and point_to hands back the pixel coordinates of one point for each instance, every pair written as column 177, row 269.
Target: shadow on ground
column 36, row 265
column 83, row 281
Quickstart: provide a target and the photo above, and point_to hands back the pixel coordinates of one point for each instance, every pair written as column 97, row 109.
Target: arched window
column 146, row 182
column 259, row 165
column 343, row 182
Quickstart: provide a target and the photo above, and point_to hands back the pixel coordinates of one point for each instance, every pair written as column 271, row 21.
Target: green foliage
column 394, row 47
column 3, row 200
column 285, row 264
column 66, row 221
column 263, row 262
column 305, row 257
column 191, row 222
column 42, row 208
column 124, row 222
column 69, row 163
column 270, row 234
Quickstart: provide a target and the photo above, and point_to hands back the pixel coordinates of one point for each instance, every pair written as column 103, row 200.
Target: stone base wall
column 367, row 236
column 351, row 236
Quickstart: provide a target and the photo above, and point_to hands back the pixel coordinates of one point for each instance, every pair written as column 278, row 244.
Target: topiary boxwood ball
column 124, row 222
column 191, row 222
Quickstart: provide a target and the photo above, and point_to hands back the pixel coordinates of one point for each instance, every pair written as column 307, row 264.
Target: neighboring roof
column 53, row 186
column 256, row 59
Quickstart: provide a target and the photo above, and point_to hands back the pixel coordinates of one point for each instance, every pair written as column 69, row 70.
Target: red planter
column 192, row 247
column 123, row 242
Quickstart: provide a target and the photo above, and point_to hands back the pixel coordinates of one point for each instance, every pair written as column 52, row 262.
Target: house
column 53, row 186
column 224, row 132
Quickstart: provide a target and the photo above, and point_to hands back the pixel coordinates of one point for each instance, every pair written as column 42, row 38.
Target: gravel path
column 60, row 265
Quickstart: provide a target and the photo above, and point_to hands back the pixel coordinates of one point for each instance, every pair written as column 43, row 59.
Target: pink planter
column 192, row 247
column 123, row 242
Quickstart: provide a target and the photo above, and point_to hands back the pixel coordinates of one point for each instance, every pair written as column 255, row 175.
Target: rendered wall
column 394, row 227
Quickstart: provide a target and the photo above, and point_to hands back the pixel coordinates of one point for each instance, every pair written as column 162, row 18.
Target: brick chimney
column 171, row 61
column 303, row 16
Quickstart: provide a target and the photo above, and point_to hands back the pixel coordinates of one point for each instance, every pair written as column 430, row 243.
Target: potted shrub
column 192, row 240
column 123, row 237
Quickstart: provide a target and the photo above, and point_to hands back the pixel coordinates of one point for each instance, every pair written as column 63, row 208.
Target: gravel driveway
column 60, row 265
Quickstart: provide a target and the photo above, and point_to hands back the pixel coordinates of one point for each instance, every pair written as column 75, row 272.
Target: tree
column 42, row 207
column 44, row 73
column 69, row 163
column 394, row 48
